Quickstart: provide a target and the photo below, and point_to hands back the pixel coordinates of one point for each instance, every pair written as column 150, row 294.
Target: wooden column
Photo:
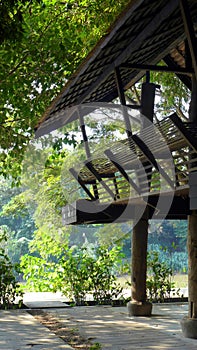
column 192, row 227
column 189, row 324
column 139, row 305
column 139, row 261
column 192, row 264
column 192, row 219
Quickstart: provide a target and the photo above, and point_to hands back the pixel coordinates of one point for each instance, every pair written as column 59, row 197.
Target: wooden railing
column 155, row 160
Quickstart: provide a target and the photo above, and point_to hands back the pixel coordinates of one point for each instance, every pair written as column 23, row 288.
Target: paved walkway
column 113, row 329
column 20, row 331
column 110, row 326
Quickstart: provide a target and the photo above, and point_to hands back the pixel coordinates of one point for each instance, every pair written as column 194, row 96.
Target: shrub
column 87, row 271
column 10, row 291
column 159, row 284
column 79, row 272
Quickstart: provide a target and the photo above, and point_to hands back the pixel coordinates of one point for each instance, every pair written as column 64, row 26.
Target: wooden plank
column 83, row 131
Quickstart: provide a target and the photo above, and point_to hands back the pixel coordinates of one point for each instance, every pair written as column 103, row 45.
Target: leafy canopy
column 45, row 43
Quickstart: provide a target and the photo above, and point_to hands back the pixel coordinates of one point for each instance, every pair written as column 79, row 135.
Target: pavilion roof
column 144, row 34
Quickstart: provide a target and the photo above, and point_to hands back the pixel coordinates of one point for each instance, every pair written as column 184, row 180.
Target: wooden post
column 192, row 227
column 139, row 305
column 189, row 324
column 192, row 264
column 139, row 261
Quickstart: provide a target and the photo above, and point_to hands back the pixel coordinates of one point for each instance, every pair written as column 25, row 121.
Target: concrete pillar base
column 189, row 327
column 137, row 308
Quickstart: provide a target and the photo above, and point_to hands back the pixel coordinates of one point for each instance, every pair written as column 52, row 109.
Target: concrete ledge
column 189, row 327
column 139, row 308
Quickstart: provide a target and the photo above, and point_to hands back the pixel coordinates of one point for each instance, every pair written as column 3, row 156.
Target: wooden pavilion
column 143, row 35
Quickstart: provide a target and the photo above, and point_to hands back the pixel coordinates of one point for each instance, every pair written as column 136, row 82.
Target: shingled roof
column 145, row 33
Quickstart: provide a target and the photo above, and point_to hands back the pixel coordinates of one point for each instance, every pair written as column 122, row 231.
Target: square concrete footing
column 189, row 327
column 139, row 308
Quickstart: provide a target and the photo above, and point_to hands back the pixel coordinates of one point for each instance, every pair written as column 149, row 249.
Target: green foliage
column 175, row 96
column 116, row 234
column 75, row 269
column 102, row 272
column 11, row 20
column 16, row 220
column 54, row 37
column 38, row 273
column 96, row 346
column 9, row 288
column 159, row 283
column 78, row 272
column 177, row 259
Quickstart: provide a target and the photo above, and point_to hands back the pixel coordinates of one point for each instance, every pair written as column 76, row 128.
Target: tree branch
column 15, row 68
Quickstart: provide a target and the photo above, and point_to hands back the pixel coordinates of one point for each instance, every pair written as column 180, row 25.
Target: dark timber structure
column 145, row 33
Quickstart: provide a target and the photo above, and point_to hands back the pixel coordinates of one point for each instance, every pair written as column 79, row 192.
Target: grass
column 180, row 280
column 123, row 280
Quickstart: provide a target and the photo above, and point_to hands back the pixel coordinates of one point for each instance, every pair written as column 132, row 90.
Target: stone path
column 109, row 326
column 113, row 329
column 20, row 331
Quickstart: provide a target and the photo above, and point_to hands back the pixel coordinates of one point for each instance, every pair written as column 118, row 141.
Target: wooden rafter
column 191, row 141
column 190, row 33
column 113, row 159
column 99, row 178
column 80, row 182
column 155, row 68
column 145, row 150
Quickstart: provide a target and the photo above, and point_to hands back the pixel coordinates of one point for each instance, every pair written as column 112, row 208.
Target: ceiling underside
column 144, row 34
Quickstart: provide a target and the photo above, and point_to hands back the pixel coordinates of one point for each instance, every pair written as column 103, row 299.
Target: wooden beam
column 113, row 159
column 184, row 131
column 134, row 106
column 83, row 131
column 115, row 211
column 155, row 68
column 190, row 33
column 120, row 86
column 117, row 196
column 122, row 100
column 186, row 79
column 148, row 154
column 99, row 178
column 188, row 57
column 80, row 182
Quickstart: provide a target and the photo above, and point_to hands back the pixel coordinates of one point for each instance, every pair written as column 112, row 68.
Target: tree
column 9, row 288
column 180, row 230
column 55, row 37
column 174, row 95
column 11, row 20
column 169, row 234
column 16, row 220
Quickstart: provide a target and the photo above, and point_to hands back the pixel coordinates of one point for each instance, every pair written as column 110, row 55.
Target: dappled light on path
column 113, row 329
column 20, row 331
